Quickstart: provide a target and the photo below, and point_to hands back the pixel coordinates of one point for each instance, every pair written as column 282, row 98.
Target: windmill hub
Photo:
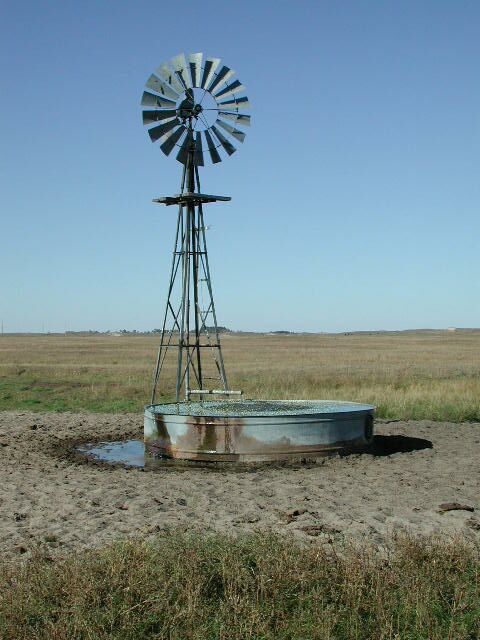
column 188, row 110
column 198, row 105
column 188, row 107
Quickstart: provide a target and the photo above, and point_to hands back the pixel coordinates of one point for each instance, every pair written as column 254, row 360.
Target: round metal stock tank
column 255, row 430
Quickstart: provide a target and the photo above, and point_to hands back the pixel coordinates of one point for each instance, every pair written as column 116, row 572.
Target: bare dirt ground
column 49, row 499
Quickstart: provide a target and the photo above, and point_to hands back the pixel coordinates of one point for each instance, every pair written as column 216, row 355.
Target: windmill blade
column 235, row 133
column 195, row 63
column 212, row 148
column 235, row 103
column 182, row 155
column 180, row 66
column 198, row 155
column 223, row 75
column 159, row 131
column 154, row 116
column 149, row 100
column 155, row 84
column 235, row 87
column 243, row 120
column 238, row 118
column 210, row 65
column 228, row 146
column 172, row 140
column 165, row 72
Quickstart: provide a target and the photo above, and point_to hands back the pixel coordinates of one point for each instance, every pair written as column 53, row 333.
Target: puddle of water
column 130, row 453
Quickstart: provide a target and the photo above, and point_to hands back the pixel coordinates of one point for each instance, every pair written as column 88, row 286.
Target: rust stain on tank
column 162, row 445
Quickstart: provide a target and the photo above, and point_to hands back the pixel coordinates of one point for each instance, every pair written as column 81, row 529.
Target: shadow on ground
column 388, row 445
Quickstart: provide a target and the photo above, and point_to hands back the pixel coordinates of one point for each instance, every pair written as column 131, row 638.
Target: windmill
column 191, row 106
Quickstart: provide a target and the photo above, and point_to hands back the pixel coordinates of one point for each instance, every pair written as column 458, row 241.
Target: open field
column 418, row 375
column 353, row 547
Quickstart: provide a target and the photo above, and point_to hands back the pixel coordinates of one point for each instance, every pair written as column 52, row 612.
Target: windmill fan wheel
column 196, row 104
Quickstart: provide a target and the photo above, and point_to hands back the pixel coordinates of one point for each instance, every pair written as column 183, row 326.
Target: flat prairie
column 432, row 375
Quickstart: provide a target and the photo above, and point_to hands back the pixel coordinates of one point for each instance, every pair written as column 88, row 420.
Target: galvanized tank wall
column 255, row 431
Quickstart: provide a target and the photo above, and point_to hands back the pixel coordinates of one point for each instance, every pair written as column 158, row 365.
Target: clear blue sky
column 355, row 197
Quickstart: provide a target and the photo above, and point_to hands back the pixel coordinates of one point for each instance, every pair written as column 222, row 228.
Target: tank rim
column 357, row 408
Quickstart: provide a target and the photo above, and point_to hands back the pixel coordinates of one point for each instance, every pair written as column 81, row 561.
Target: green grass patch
column 93, row 392
column 256, row 586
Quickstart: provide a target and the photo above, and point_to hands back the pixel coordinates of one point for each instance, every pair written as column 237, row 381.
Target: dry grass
column 256, row 586
column 418, row 375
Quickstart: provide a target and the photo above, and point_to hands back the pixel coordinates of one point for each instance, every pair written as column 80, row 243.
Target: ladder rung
column 215, row 392
column 193, row 346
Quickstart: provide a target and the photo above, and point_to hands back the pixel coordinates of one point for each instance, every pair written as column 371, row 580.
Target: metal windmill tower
column 198, row 105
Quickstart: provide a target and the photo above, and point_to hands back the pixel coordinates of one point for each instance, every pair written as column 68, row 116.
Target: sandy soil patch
column 48, row 499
